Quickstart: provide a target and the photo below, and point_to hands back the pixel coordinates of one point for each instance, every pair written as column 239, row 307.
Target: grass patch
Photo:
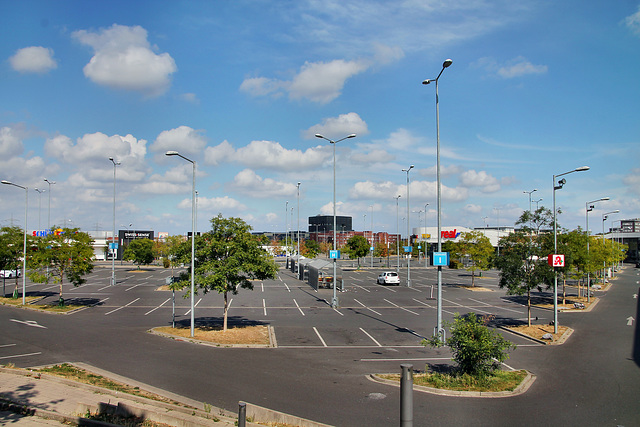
column 498, row 381
column 71, row 372
column 243, row 335
column 17, row 302
column 53, row 307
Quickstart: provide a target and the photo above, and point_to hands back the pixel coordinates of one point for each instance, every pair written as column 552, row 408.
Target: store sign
column 449, row 234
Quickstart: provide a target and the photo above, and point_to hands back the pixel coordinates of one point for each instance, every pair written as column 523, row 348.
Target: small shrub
column 477, row 350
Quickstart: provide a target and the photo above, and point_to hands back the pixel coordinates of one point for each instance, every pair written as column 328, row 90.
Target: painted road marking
column 405, row 309
column 32, row 323
column 372, row 338
column 120, row 308
column 151, row 311
column 324, row 344
column 367, row 307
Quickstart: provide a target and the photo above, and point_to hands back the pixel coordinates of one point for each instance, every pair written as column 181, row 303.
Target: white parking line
column 135, row 286
column 302, row 312
column 151, row 311
column 262, row 286
column 264, row 306
column 367, row 307
column 108, row 286
column 287, row 287
column 496, row 306
column 7, row 345
column 372, row 338
column 363, row 288
column 20, row 355
column 396, row 305
column 120, row 308
column 319, row 336
column 420, row 302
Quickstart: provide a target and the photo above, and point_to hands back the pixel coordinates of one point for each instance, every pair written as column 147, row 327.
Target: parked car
column 389, row 278
column 8, row 274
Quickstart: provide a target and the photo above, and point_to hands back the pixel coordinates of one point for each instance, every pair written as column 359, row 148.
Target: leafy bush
column 477, row 350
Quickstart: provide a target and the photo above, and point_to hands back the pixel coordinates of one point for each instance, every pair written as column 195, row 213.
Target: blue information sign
column 408, row 248
column 113, row 246
column 441, row 258
column 334, row 254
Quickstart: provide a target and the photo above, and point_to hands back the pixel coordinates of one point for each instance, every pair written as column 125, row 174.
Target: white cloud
column 473, row 209
column 403, row 139
column 253, row 185
column 472, row 178
column 218, row 154
column 376, row 190
column 271, row 155
column 33, row 59
column 338, row 127
column 10, row 142
column 633, row 22
column 319, row 82
column 420, row 190
column 516, row 67
column 214, row 204
column 185, row 140
column 373, row 156
column 444, row 170
column 124, row 59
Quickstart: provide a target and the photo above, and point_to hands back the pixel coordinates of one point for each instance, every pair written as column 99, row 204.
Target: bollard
column 406, row 395
column 242, row 414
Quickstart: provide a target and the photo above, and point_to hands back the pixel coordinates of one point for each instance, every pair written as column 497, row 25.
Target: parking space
column 369, row 314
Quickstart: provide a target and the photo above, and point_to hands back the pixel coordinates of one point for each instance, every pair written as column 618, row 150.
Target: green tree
column 65, row 253
column 11, row 251
column 140, row 251
column 310, row 248
column 357, row 246
column 477, row 350
column 172, row 251
column 228, row 257
column 477, row 247
column 522, row 266
column 537, row 220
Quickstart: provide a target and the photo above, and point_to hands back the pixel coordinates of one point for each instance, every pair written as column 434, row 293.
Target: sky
column 537, row 88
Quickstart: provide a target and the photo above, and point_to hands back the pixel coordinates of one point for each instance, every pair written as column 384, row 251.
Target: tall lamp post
column 193, row 233
column 426, row 241
column 371, row 235
column 286, row 229
column 24, row 244
column 604, row 263
column 439, row 331
column 529, row 193
column 408, row 232
column 113, row 245
column 537, row 203
column 558, row 186
column 298, row 232
column 589, row 207
column 49, row 215
column 398, row 233
column 334, row 301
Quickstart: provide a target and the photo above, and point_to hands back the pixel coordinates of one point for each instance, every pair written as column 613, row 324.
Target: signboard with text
column 334, row 254
column 556, row 260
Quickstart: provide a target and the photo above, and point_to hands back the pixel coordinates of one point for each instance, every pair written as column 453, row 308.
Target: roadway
column 319, row 369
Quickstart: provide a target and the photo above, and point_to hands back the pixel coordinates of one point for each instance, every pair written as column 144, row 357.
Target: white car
column 389, row 278
column 8, row 274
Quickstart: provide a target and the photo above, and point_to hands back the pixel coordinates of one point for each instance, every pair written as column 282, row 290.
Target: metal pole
column 371, row 236
column 334, row 301
column 408, row 230
column 242, row 414
column 397, row 234
column 113, row 237
column 193, row 246
column 555, row 271
column 406, row 395
column 24, row 245
column 298, row 232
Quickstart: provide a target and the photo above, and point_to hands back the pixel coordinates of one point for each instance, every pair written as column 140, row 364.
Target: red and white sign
column 556, row 260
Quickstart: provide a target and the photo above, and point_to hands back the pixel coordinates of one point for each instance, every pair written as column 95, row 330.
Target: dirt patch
column 163, row 288
column 570, row 303
column 238, row 335
column 475, row 288
column 537, row 331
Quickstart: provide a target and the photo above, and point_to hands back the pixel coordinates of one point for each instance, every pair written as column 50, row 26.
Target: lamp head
column 353, row 135
column 426, row 82
column 171, row 153
column 6, row 182
column 447, row 63
column 582, row 168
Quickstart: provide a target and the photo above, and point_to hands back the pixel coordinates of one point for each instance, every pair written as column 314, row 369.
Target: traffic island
column 258, row 336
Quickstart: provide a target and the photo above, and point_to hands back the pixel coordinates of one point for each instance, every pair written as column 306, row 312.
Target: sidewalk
column 28, row 399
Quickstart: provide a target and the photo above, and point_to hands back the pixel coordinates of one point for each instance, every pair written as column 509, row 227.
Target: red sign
column 452, row 234
column 556, row 260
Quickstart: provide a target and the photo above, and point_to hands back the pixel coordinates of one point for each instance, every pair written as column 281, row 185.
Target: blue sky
column 536, row 88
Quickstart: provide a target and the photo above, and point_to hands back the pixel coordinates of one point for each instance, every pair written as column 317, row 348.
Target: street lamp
column 558, row 186
column 24, row 247
column 604, row 262
column 334, row 302
column 426, row 242
column 286, row 230
column 371, row 235
column 439, row 331
column 298, row 232
column 537, row 202
column 529, row 193
column 589, row 208
column 193, row 232
column 49, row 215
column 408, row 232
column 39, row 204
column 113, row 245
column 397, row 234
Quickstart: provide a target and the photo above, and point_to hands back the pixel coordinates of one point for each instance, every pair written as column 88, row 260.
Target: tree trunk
column 226, row 308
column 564, row 290
column 529, row 307
column 473, row 278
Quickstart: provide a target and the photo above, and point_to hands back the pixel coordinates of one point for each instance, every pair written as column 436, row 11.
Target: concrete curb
column 522, row 388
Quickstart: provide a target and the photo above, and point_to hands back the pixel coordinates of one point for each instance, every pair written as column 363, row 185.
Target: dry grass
column 475, row 288
column 241, row 335
column 537, row 331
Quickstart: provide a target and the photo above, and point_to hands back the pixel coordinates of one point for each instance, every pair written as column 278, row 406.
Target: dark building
column 126, row 236
column 324, row 224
